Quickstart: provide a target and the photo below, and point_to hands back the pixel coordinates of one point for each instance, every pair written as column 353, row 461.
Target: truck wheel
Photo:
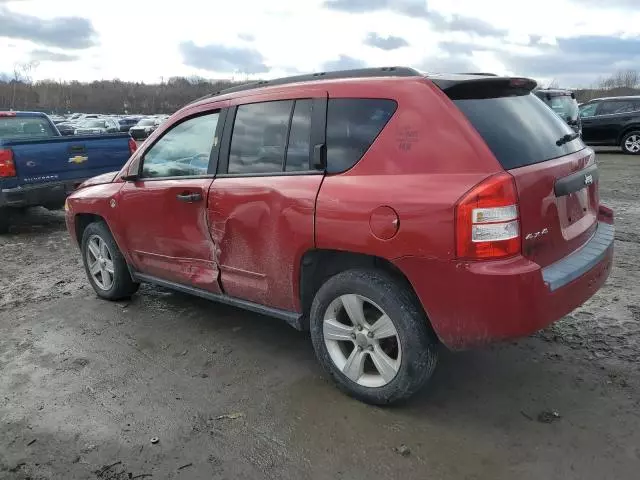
column 4, row 220
column 371, row 337
column 105, row 266
column 631, row 143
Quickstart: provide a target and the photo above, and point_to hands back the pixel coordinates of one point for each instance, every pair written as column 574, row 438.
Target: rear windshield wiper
column 569, row 137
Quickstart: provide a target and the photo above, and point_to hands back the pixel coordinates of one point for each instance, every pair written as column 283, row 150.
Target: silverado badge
column 78, row 159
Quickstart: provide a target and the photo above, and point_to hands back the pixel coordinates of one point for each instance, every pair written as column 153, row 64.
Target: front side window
column 259, row 137
column 184, row 150
column 352, row 126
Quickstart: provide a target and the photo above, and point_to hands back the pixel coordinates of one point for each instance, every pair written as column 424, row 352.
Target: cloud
column 449, row 64
column 576, row 60
column 223, row 58
column 41, row 55
column 412, row 8
column 609, row 4
column 461, row 23
column 420, row 9
column 385, row 43
column 247, row 37
column 344, row 62
column 62, row 32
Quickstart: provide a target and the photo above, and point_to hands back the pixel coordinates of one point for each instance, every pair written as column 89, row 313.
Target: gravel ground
column 85, row 384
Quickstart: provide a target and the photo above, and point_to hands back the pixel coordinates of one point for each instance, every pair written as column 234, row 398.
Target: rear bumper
column 46, row 194
column 475, row 303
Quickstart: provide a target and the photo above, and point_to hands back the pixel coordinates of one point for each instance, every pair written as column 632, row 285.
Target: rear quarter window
column 352, row 126
column 519, row 130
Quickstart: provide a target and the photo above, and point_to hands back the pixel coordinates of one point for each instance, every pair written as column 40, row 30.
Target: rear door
column 163, row 217
column 610, row 118
column 555, row 174
column 262, row 202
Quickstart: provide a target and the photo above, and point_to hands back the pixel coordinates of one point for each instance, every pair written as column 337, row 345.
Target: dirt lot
column 86, row 384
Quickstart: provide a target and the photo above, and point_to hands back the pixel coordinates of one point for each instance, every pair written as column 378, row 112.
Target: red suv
column 386, row 211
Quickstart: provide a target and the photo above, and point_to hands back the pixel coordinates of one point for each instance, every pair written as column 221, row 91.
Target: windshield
column 147, row 122
column 565, row 106
column 20, row 127
column 519, row 130
column 93, row 124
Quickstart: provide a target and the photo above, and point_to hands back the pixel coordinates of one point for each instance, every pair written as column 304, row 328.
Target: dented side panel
column 261, row 227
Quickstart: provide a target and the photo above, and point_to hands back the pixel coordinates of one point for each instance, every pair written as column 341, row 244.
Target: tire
column 120, row 286
column 413, row 351
column 4, row 220
column 631, row 143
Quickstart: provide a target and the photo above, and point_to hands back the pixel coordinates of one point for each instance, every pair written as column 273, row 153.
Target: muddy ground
column 85, row 384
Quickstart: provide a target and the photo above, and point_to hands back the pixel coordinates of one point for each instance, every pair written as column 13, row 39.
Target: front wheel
column 372, row 337
column 631, row 143
column 105, row 266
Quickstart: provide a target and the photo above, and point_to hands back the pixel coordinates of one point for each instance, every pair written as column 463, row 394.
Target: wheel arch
column 82, row 220
column 318, row 265
column 627, row 130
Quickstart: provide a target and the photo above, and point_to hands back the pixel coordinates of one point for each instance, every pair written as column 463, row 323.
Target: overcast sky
column 572, row 41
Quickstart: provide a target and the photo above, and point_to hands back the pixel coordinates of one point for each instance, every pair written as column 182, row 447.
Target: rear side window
column 259, row 137
column 519, row 130
column 299, row 137
column 617, row 106
column 23, row 127
column 352, row 126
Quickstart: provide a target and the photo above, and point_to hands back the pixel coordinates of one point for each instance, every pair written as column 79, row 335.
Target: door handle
column 189, row 197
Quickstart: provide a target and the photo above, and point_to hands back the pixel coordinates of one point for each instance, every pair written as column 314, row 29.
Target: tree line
column 19, row 92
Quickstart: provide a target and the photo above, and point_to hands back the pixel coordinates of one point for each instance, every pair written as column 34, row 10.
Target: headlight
column 66, row 205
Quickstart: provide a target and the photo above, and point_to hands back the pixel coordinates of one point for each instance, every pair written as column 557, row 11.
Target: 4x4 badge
column 588, row 179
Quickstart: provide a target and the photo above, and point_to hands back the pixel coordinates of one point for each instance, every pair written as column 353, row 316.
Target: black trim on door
column 215, row 150
column 225, row 143
column 292, row 318
column 318, row 154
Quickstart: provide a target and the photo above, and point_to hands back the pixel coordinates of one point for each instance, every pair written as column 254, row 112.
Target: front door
column 262, row 202
column 165, row 209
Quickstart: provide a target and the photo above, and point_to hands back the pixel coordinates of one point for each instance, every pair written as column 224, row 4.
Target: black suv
column 612, row 121
column 563, row 102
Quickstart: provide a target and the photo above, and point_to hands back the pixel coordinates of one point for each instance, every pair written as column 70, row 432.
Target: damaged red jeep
column 386, row 211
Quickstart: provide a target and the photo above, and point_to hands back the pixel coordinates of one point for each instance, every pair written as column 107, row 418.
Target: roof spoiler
column 485, row 87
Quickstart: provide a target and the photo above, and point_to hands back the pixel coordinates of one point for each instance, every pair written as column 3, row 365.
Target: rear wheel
column 105, row 266
column 372, row 337
column 631, row 143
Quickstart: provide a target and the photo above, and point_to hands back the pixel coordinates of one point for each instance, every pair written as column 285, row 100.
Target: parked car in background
column 564, row 103
column 309, row 199
column 612, row 121
column 97, row 126
column 144, row 128
column 67, row 128
column 39, row 167
column 127, row 122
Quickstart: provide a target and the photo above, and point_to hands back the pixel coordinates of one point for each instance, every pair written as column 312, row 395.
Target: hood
column 99, row 179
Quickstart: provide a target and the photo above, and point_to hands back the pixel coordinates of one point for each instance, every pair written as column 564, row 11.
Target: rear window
column 352, row 126
column 519, row 130
column 21, row 127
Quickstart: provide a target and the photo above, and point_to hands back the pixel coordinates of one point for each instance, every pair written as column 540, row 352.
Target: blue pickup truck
column 39, row 167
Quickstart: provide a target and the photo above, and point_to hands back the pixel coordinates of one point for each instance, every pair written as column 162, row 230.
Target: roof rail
column 354, row 73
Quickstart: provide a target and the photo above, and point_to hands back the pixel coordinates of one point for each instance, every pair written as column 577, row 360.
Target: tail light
column 487, row 220
column 133, row 146
column 7, row 166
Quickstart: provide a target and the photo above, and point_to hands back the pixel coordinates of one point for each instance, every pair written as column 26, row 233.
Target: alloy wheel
column 362, row 341
column 100, row 262
column 632, row 144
